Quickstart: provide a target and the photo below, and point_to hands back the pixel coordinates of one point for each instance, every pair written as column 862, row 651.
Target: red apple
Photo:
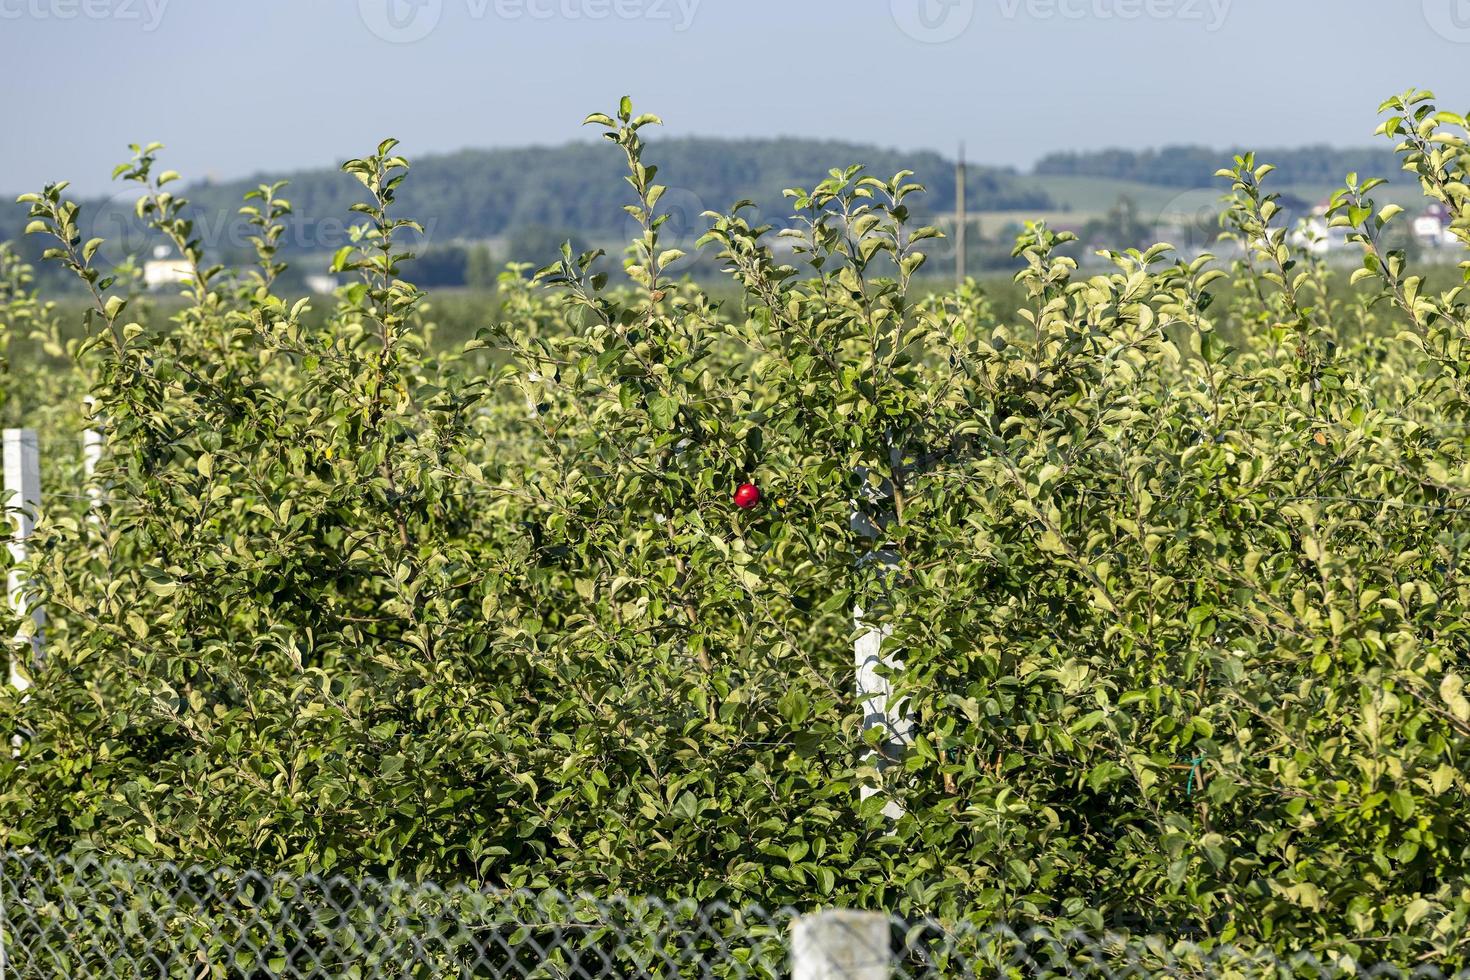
column 747, row 495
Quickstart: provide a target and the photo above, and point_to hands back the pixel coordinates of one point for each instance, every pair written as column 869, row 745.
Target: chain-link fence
column 86, row 917
column 90, row 918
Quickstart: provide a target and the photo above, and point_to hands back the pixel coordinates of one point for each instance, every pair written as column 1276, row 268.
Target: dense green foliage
column 1184, row 624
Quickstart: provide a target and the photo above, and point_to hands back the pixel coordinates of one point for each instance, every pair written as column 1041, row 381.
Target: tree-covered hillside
column 488, row 193
column 1195, row 166
column 575, row 188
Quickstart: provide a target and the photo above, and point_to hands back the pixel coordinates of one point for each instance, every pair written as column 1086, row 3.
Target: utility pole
column 959, row 219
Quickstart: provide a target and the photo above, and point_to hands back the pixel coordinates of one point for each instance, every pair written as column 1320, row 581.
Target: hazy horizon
column 1012, row 79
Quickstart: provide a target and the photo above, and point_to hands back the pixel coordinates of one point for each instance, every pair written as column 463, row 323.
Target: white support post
column 91, row 456
column 841, row 945
column 22, row 458
column 875, row 691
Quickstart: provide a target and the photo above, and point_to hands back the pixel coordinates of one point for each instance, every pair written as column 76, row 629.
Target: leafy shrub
column 1183, row 622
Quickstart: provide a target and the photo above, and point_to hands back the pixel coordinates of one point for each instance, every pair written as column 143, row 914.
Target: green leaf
column 1402, row 804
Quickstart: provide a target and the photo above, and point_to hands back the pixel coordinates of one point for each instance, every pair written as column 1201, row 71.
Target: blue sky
column 241, row 86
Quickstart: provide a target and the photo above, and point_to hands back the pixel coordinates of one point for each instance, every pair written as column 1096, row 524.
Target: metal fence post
column 841, row 945
column 22, row 457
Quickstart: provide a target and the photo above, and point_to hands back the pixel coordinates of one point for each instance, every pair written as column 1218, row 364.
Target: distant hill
column 1195, row 166
column 481, row 194
column 575, row 189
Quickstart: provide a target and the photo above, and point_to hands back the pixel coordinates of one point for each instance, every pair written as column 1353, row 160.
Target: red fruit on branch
column 747, row 495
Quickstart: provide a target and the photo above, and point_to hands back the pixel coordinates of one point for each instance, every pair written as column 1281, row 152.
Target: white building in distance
column 1432, row 228
column 161, row 271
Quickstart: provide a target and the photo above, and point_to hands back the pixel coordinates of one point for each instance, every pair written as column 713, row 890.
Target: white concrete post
column 841, row 945
column 22, row 459
column 91, row 456
column 874, row 691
